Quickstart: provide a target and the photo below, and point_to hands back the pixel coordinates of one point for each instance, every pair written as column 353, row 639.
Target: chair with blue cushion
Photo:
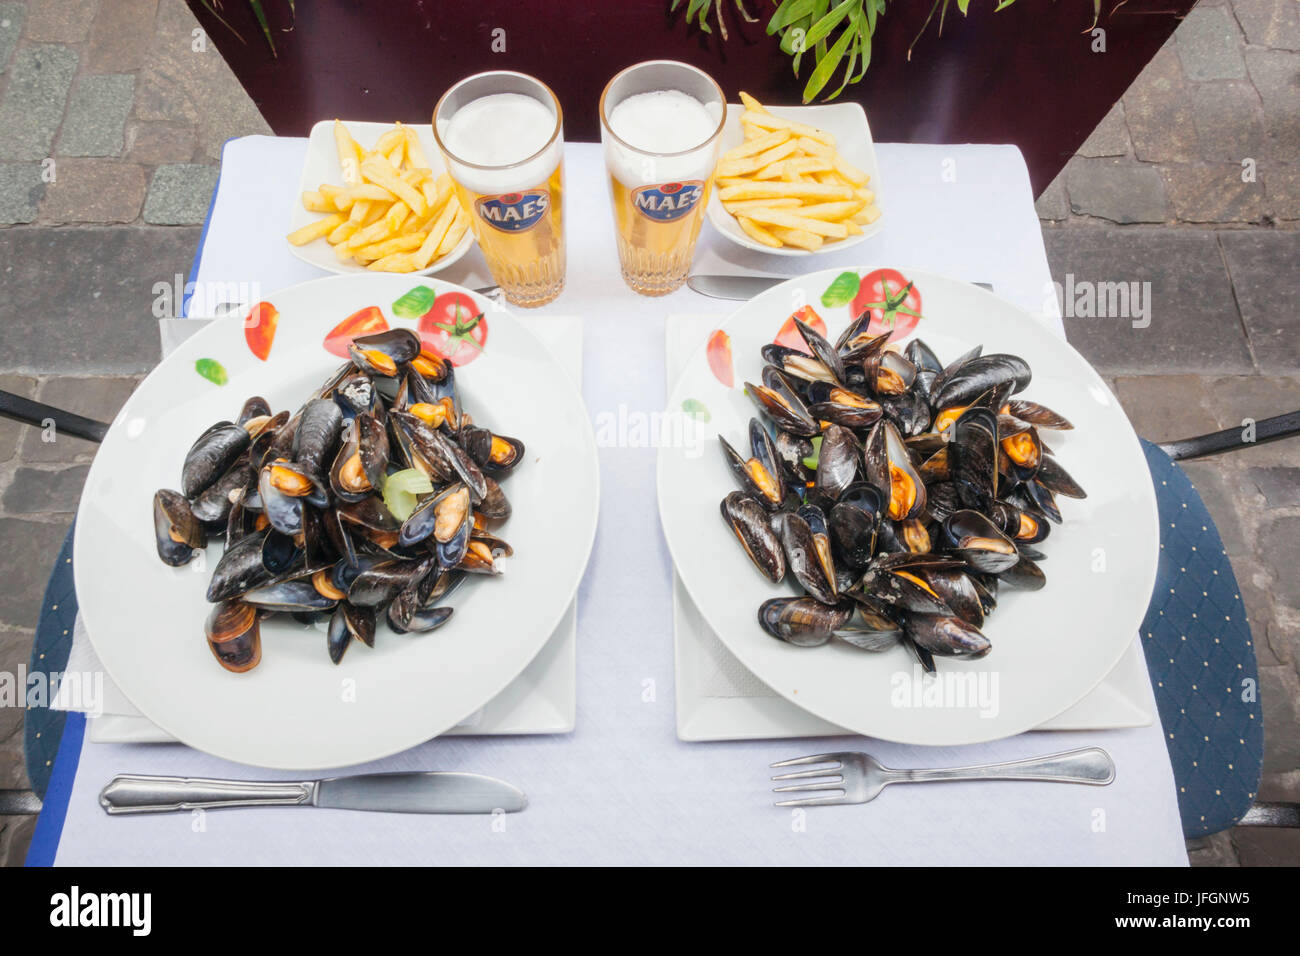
column 1196, row 637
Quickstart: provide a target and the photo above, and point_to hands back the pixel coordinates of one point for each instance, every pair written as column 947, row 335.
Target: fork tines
column 833, row 774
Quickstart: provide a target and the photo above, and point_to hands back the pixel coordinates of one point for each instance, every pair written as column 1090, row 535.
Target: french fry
column 769, row 122
column 758, row 233
column 831, row 211
column 738, row 207
column 313, row 201
column 315, row 230
column 426, row 253
column 766, row 190
column 758, row 144
column 798, row 237
column 752, row 163
column 349, row 152
column 378, row 171
column 459, row 224
column 850, row 172
column 751, row 104
column 791, row 220
column 377, row 250
column 397, row 262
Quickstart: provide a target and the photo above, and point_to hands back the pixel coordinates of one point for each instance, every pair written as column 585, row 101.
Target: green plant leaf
column 822, row 28
column 825, row 67
column 212, row 370
column 962, row 5
column 262, row 22
column 842, row 290
column 787, row 13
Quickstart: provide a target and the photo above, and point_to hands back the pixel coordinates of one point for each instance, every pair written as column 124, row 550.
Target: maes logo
column 514, row 212
column 667, row 202
column 75, row 908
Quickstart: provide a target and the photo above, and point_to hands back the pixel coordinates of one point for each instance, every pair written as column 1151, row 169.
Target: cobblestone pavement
column 111, row 123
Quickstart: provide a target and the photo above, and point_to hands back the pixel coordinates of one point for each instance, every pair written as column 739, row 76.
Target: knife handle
column 133, row 793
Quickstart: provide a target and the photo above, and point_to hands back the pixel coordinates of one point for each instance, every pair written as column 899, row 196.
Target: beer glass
column 501, row 136
column 660, row 123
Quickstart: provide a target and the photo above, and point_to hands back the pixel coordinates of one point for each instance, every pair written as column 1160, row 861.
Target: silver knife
column 431, row 792
column 746, row 287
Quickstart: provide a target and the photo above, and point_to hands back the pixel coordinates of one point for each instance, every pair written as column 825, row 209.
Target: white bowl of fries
column 375, row 197
column 796, row 180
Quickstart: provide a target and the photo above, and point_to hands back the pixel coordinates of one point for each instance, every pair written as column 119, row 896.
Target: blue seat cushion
column 1201, row 657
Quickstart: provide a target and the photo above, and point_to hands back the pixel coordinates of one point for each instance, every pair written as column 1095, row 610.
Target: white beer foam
column 662, row 121
column 499, row 130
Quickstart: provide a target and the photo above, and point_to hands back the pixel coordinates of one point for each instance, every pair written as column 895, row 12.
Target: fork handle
column 1091, row 765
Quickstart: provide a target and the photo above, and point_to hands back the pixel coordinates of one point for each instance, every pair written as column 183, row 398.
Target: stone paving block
column 43, row 491
column 181, row 85
column 26, row 559
column 15, row 837
column 11, row 432
column 1282, row 191
column 81, row 300
column 120, row 36
column 1280, row 538
column 11, row 25
column 92, row 190
column 1110, row 138
column 1265, row 269
column 1222, row 497
column 1208, row 44
column 1193, row 320
column 98, row 397
column 1229, row 121
column 1053, row 204
column 179, row 194
column 1158, row 111
column 1116, row 189
column 1270, row 23
column 1280, row 486
column 1266, row 846
column 21, row 189
column 1278, row 691
column 96, row 120
column 1213, row 193
column 13, row 767
column 60, row 21
column 33, row 105
column 1276, row 75
column 157, row 144
column 1215, row 850
column 1165, row 407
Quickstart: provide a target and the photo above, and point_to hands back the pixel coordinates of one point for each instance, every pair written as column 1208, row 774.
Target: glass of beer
column 660, row 122
column 501, row 136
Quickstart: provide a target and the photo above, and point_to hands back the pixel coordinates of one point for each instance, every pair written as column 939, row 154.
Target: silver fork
column 859, row 777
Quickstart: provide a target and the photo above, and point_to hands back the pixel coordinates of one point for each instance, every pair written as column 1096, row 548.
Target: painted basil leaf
column 212, row 370
column 415, row 303
column 841, row 291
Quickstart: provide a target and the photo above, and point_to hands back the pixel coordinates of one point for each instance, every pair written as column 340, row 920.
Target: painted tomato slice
column 367, row 321
column 454, row 328
column 719, row 354
column 789, row 335
column 259, row 328
column 892, row 300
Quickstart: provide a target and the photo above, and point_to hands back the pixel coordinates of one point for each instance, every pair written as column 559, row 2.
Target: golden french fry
column 753, row 163
column 757, row 145
column 798, row 237
column 770, row 122
column 313, row 201
column 850, row 172
column 437, row 232
column 790, row 220
column 378, row 250
column 397, row 214
column 455, row 231
column 757, row 232
column 345, row 230
column 765, row 190
column 751, row 104
column 385, row 143
column 315, row 230
column 346, row 198
column 397, row 262
column 870, row 215
column 831, row 211
column 349, row 153
column 380, row 172
column 738, row 207
column 414, row 151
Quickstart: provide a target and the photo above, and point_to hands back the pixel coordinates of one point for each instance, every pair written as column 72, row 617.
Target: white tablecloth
column 622, row 788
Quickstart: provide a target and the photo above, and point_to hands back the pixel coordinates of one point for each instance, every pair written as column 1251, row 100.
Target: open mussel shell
column 378, row 584
column 854, row 523
column 453, row 524
column 358, row 468
column 282, row 510
column 973, row 537
column 1057, row 480
column 234, row 636
column 442, row 459
column 1021, row 450
column 802, row 621
column 213, row 505
column 241, row 567
column 889, row 373
column 760, row 475
column 973, row 457
column 778, row 399
column 256, row 410
column 1022, row 527
column 896, row 579
column 383, row 353
column 957, row 590
column 495, row 454
column 791, row 452
column 349, row 623
column 356, row 395
column 909, row 412
column 211, row 456
column 405, row 615
column 1025, row 575
column 748, row 520
column 796, row 364
column 1036, row 414
column 177, row 531
column 822, row 350
column 808, row 553
column 871, row 629
column 837, row 462
column 946, row 636
column 888, row 465
column 834, row 403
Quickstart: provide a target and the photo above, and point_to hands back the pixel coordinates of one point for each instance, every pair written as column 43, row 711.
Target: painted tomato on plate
column 454, row 328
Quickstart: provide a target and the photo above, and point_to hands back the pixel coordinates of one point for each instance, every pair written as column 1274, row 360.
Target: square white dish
column 322, row 166
column 847, row 122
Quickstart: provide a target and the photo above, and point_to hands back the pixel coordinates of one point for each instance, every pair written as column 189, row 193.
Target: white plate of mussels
column 373, row 451
column 910, row 509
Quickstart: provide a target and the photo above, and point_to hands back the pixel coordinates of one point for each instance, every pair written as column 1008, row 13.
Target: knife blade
column 746, row 287
column 410, row 792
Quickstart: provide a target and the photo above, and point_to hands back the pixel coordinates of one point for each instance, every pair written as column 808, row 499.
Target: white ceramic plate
column 322, row 166
column 848, row 124
column 296, row 709
column 1050, row 647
